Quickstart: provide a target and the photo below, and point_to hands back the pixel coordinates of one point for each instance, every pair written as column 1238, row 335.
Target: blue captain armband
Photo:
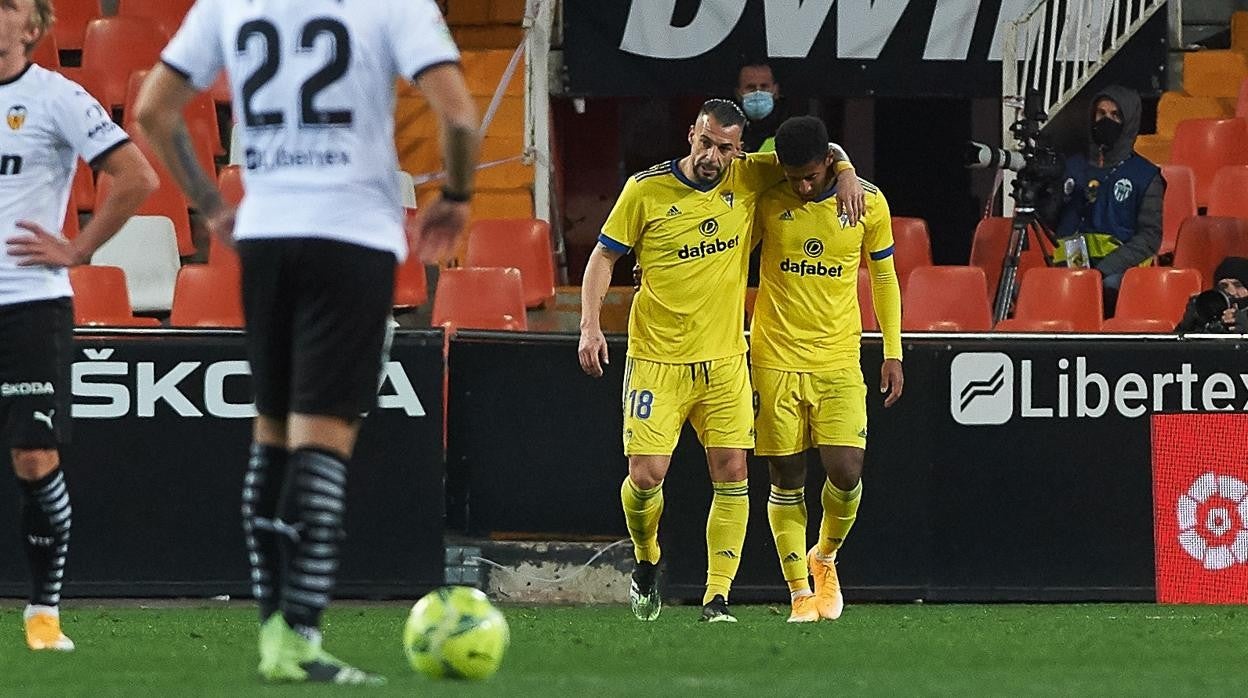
column 613, row 245
column 882, row 254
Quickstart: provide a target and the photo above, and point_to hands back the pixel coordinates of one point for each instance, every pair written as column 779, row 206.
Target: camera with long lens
column 1038, row 165
column 1209, row 306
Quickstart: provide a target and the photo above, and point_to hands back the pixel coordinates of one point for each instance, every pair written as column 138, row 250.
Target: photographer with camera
column 1108, row 214
column 1223, row 308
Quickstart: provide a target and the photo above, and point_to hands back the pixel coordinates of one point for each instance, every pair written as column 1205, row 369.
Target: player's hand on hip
column 592, row 352
column 891, row 381
column 435, row 230
column 851, row 200
column 41, row 248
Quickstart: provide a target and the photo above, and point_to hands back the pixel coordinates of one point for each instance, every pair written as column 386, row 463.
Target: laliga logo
column 1213, row 521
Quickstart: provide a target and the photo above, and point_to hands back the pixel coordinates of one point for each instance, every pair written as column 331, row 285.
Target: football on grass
column 455, row 632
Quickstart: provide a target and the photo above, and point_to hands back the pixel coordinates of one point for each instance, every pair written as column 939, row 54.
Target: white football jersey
column 313, row 89
column 50, row 121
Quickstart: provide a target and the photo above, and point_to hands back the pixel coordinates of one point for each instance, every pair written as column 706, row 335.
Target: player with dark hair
column 318, row 233
column 804, row 355
column 689, row 221
column 52, row 122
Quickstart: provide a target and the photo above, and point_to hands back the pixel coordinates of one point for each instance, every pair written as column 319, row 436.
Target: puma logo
column 45, row 418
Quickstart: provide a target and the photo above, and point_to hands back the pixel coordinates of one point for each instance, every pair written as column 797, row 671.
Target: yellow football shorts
column 797, row 411
column 714, row 396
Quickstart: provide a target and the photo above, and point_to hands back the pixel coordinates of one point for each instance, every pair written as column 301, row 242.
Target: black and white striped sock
column 46, row 519
column 262, row 489
column 313, row 504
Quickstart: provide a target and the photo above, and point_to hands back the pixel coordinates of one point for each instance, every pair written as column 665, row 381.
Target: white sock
column 32, row 610
column 800, row 593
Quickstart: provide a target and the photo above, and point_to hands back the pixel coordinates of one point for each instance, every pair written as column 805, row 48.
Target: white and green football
column 455, row 632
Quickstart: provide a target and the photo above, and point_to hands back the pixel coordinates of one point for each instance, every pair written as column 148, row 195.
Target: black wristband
column 457, row 197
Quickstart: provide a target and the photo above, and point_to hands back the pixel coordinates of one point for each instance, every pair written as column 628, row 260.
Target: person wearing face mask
column 758, row 93
column 1111, row 197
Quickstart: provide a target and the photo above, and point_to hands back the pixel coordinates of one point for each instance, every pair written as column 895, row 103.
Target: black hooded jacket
column 1146, row 239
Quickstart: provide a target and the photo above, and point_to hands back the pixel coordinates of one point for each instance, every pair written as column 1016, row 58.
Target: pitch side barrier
column 1014, row 468
column 161, row 430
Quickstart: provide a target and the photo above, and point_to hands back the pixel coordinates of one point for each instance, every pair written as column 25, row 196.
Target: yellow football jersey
column 806, row 316
column 693, row 244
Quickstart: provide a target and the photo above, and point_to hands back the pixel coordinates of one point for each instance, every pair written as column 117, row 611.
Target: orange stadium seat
column 411, row 285
column 207, row 296
column 1214, row 73
column 166, row 201
column 1137, row 325
column 167, row 14
column 70, row 227
column 1028, row 325
column 913, row 246
column 220, row 90
column 87, row 79
column 72, row 17
column 46, row 53
column 101, row 298
column 200, row 115
column 230, row 182
column 481, row 298
column 1228, row 195
column 866, row 306
column 520, row 243
column 988, row 247
column 1241, row 102
column 84, row 188
column 1206, row 145
column 1204, row 241
column 115, row 47
column 947, row 295
column 1156, row 293
column 1179, row 203
column 1176, row 106
column 483, row 69
column 1057, row 293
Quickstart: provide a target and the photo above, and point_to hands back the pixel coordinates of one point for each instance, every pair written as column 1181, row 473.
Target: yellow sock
column 725, row 535
column 786, row 512
column 642, row 509
column 840, row 509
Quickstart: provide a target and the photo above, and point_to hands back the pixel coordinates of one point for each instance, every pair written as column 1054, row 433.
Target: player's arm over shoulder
column 878, row 219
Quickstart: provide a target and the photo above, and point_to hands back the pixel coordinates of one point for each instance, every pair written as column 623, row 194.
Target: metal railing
column 1056, row 46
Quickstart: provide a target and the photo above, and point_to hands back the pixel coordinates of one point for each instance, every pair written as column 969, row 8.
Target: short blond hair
column 41, row 19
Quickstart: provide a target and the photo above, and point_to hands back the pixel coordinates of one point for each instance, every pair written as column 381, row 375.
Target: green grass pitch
column 1104, row 649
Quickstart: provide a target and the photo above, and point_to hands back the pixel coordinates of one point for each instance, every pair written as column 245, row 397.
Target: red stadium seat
column 1025, row 325
column 201, row 122
column 1228, row 196
column 411, row 286
column 72, row 17
column 866, row 307
column 83, row 192
column 115, row 47
column 913, row 246
column 220, row 90
column 988, row 247
column 943, row 295
column 207, row 296
column 520, row 243
column 1057, row 293
column 222, row 255
column 87, row 79
column 1206, row 145
column 101, row 298
column 70, row 227
column 1179, row 203
column 1241, row 104
column 482, row 298
column 46, row 53
column 166, row 201
column 1204, row 241
column 1156, row 293
column 167, row 14
column 230, row 182
column 1136, row 325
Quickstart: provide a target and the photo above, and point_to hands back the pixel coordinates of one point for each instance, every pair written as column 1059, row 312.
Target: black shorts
column 317, row 313
column 36, row 353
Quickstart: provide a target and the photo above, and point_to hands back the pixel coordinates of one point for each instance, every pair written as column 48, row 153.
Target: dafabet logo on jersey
column 16, row 117
column 981, row 388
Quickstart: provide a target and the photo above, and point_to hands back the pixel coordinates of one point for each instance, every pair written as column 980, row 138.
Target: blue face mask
column 757, row 105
